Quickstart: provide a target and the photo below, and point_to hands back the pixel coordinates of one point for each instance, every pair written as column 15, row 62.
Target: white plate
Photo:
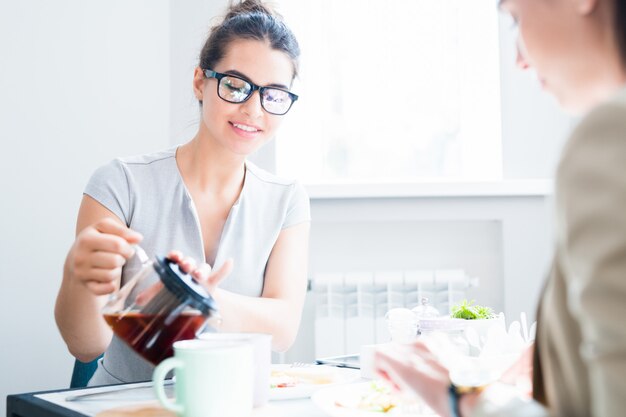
column 305, row 390
column 327, row 400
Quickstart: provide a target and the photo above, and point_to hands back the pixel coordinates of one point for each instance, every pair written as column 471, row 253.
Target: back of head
column 253, row 20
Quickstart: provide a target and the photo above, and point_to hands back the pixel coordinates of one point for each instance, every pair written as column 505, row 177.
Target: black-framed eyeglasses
column 235, row 89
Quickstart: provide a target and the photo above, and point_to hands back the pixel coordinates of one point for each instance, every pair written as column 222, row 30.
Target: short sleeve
column 299, row 207
column 109, row 186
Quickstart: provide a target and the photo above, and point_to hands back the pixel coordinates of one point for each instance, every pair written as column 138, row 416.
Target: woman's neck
column 609, row 64
column 208, row 167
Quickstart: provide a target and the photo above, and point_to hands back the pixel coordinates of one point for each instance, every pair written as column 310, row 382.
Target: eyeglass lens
column 237, row 90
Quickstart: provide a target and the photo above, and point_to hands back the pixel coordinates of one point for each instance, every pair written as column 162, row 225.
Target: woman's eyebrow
column 242, row 75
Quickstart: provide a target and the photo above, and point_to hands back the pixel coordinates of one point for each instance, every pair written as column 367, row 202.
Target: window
column 396, row 90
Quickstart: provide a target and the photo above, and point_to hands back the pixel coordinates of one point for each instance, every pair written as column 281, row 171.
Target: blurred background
column 426, row 153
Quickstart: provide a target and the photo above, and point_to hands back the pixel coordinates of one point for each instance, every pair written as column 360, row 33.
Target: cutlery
column 524, row 325
column 472, row 338
column 123, row 292
column 533, row 331
column 114, row 389
column 300, row 365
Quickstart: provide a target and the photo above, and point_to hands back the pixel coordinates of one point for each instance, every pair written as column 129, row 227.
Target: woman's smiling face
column 243, row 127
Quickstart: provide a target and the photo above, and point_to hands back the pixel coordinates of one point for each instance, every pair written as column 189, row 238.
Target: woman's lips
column 245, row 130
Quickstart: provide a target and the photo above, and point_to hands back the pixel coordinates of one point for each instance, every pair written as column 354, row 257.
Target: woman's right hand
column 204, row 274
column 415, row 369
column 98, row 254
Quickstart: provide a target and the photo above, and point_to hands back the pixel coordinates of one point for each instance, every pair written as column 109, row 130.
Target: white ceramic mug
column 212, row 379
column 262, row 345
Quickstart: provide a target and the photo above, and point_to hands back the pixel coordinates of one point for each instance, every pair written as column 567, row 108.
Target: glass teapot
column 424, row 312
column 152, row 317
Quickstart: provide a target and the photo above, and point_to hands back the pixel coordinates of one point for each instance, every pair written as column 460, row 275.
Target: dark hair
column 249, row 19
column 620, row 27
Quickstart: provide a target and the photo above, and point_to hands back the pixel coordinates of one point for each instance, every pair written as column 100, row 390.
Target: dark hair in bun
column 249, row 19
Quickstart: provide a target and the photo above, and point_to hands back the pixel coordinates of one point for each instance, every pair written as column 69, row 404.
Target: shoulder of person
column 143, row 159
column 270, row 189
column 601, row 134
column 127, row 165
column 147, row 158
column 267, row 177
column 119, row 171
column 607, row 120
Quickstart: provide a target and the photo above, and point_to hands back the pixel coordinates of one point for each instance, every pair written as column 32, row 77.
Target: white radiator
column 350, row 308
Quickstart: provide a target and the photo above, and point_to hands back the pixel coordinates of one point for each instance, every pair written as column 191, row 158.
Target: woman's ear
column 198, row 83
column 585, row 7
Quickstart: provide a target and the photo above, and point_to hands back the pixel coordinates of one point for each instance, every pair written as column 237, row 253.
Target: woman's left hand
column 203, row 273
column 415, row 369
column 520, row 374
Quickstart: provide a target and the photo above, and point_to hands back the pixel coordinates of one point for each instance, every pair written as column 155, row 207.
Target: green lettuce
column 469, row 311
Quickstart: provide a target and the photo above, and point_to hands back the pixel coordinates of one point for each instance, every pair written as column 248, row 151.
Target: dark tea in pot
column 138, row 331
column 178, row 309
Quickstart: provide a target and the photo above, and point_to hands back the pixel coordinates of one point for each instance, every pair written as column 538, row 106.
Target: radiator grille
column 350, row 307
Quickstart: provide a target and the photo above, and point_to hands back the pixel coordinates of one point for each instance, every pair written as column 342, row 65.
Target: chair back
column 82, row 372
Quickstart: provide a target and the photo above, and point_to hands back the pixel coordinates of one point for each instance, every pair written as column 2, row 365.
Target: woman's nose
column 252, row 107
column 520, row 58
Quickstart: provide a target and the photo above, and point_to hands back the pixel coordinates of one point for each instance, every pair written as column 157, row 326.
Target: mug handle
column 159, row 379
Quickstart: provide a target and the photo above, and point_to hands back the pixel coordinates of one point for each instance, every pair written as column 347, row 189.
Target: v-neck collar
column 191, row 205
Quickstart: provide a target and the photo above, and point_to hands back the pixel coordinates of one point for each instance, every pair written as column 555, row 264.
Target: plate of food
column 288, row 381
column 367, row 399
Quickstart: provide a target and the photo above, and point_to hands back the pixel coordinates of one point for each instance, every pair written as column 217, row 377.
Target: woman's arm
column 416, row 369
column 92, row 270
column 591, row 202
column 279, row 309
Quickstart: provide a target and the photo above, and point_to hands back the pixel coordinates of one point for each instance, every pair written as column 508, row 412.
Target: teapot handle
column 116, row 299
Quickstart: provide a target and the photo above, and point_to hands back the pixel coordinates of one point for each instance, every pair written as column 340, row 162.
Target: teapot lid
column 425, row 310
column 184, row 286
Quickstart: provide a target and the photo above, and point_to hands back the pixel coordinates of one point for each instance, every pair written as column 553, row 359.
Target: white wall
column 80, row 83
column 533, row 127
column 189, row 27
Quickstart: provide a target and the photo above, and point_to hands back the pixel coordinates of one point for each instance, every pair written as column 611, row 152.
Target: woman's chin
column 572, row 103
column 246, row 148
column 580, row 100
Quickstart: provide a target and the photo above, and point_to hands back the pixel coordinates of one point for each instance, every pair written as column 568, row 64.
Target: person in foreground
column 578, row 49
column 203, row 198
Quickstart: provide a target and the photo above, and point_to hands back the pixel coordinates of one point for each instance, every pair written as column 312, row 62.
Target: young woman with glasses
column 203, row 198
column 578, row 50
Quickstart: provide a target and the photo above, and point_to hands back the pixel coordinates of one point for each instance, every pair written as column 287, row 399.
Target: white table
column 142, row 394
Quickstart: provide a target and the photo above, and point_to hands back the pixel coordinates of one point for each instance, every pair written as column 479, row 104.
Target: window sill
column 430, row 189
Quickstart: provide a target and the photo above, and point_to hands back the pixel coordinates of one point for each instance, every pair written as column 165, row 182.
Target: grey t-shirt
column 148, row 194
